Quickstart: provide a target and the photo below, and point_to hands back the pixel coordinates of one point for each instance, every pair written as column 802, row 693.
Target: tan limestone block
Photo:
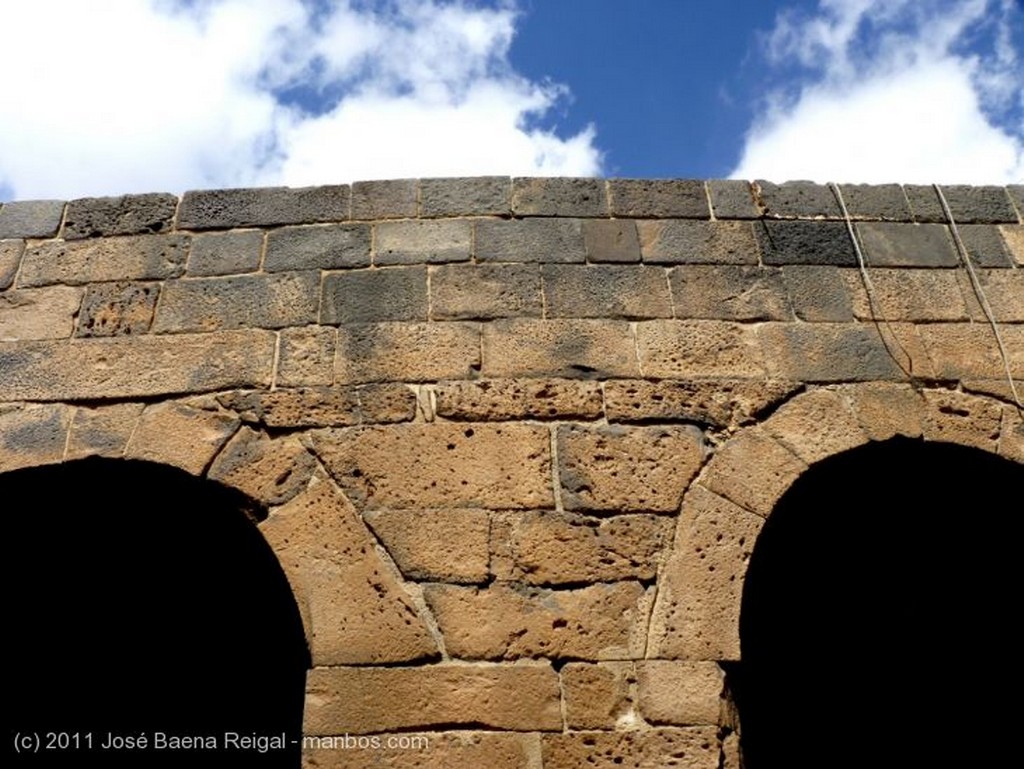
column 680, row 693
column 731, row 753
column 886, row 410
column 907, row 294
column 682, row 349
column 441, row 464
column 615, row 468
column 597, row 622
column 753, row 470
column 135, row 257
column 1011, row 440
column 39, row 313
column 997, row 388
column 407, row 352
column 696, row 616
column 970, row 351
column 695, row 747
column 33, row 434
column 306, row 356
column 1013, row 236
column 269, row 470
column 1003, row 290
column 175, row 434
column 583, row 349
column 102, row 430
column 816, row 425
column 10, row 258
column 599, row 695
column 551, row 548
column 430, row 750
column 439, row 545
column 361, row 700
column 504, row 399
column 968, row 420
column 353, row 605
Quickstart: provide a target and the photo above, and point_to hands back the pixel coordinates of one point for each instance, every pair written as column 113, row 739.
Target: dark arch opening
column 140, row 600
column 878, row 616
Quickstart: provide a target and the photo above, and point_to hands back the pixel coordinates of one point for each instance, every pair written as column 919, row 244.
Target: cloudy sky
column 118, row 96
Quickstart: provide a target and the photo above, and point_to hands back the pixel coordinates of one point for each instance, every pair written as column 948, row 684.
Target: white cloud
column 894, row 90
column 132, row 95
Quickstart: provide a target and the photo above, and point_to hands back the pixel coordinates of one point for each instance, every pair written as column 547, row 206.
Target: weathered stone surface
column 124, row 215
column 687, row 748
column 967, row 420
column 375, row 296
column 876, row 201
column 388, row 199
column 324, row 406
column 693, row 242
column 627, row 469
column 796, row 199
column 133, row 257
column 827, row 352
column 354, row 607
column 113, row 309
column 598, row 695
column 888, row 244
column 658, row 198
column 681, row 349
column 529, row 240
column 434, row 750
column 969, row 350
column 129, row 367
column 407, row 352
column 485, row 291
column 584, row 349
column 435, row 545
column 907, row 294
column 1013, row 236
column 30, row 218
column 10, row 258
column 306, row 357
column 819, row 294
column 597, row 622
column 547, row 196
column 1016, row 193
column 440, row 465
column 269, row 470
column 1002, row 289
column 477, row 196
column 680, row 693
column 979, row 204
column 225, row 253
column 718, row 403
column 501, row 399
column 240, row 301
column 886, row 410
column 817, row 425
column 550, row 548
column 985, row 245
column 175, row 434
column 33, row 435
column 325, row 247
column 102, row 430
column 924, row 203
column 611, row 240
column 732, row 199
column 1011, row 440
column 696, row 616
column 806, row 242
column 729, row 292
column 375, row 700
column 222, row 209
column 39, row 313
column 418, row 241
column 605, row 291
column 753, row 470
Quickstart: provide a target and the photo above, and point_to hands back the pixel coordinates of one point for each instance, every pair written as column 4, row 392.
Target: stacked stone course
column 516, row 437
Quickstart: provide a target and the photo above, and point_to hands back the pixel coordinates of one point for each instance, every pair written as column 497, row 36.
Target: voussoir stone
column 598, row 695
column 695, row 747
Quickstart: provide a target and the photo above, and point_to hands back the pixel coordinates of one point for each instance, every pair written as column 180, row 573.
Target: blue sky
column 166, row 95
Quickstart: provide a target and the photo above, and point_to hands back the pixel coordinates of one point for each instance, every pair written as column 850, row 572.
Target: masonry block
column 658, row 198
column 375, row 296
column 132, row 257
column 970, row 351
column 820, row 294
column 681, row 349
column 124, row 215
column 627, row 469
column 582, row 349
column 475, row 196
column 102, row 430
column 680, row 693
column 693, row 242
column 436, row 545
column 886, row 410
column 324, row 247
column 961, row 418
column 39, row 313
column 324, row 406
column 825, row 414
column 907, row 294
column 752, row 471
column 407, row 352
column 1013, row 236
column 805, row 200
column 924, row 203
column 435, row 750
column 729, row 292
column 985, row 245
column 114, row 309
column 225, row 253
column 357, row 700
column 683, row 748
column 605, row 291
column 488, row 400
column 242, row 301
column 419, row 241
column 485, row 291
column 10, row 259
column 733, row 199
column 829, row 352
column 30, row 218
column 271, row 471
column 987, row 205
column 529, row 240
column 388, row 199
column 1011, row 440
column 611, row 240
column 262, row 207
column 306, row 356
column 179, row 435
column 597, row 622
column 34, row 434
column 544, row 196
column 806, row 242
column 1002, row 289
column 887, row 244
column 442, row 464
column 1016, row 193
column 886, row 202
column 598, row 695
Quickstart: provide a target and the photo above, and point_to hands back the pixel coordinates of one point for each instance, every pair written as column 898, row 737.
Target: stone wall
column 516, row 438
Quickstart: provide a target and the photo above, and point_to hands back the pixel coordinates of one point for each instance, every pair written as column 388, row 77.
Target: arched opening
column 141, row 601
column 878, row 615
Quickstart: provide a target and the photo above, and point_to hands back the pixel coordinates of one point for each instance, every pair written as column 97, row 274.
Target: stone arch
column 696, row 615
